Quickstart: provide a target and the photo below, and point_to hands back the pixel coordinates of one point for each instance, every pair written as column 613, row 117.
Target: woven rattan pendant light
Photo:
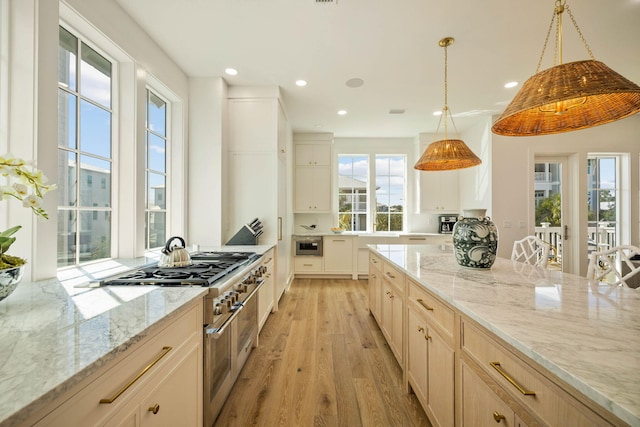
column 447, row 154
column 570, row 96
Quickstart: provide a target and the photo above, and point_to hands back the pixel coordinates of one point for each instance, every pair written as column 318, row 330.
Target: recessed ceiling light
column 437, row 113
column 231, row 71
column 355, row 82
column 318, row 126
column 342, row 112
column 511, row 84
column 397, row 111
column 301, row 83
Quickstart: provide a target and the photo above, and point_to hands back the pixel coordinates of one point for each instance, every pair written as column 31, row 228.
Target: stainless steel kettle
column 174, row 256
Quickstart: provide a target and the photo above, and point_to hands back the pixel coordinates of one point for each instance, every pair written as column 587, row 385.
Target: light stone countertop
column 586, row 334
column 54, row 333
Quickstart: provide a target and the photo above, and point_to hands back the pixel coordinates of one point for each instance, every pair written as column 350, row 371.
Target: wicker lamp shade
column 568, row 97
column 447, row 154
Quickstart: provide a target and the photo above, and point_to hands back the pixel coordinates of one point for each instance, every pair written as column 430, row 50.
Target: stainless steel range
column 230, row 312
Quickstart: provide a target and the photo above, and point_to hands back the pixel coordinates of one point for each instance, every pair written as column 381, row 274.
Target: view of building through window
column 602, row 201
column 84, row 152
column 156, row 171
column 354, row 201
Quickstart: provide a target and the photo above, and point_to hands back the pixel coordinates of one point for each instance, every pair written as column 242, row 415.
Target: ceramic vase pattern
column 475, row 239
column 9, row 279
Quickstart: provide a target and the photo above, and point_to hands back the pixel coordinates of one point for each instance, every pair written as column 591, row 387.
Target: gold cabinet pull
column 498, row 416
column 165, row 350
column 373, row 276
column 390, row 275
column 155, row 408
column 422, row 303
column 420, row 329
column 497, row 367
column 427, row 337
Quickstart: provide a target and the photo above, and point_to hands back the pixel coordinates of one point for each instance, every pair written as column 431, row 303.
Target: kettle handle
column 167, row 247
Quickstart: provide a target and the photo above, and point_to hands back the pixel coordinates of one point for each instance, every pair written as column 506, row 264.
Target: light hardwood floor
column 322, row 361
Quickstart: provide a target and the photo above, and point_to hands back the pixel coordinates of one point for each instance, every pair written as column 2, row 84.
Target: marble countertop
column 587, row 334
column 56, row 332
column 364, row 234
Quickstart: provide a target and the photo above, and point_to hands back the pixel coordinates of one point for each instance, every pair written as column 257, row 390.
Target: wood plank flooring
column 322, row 361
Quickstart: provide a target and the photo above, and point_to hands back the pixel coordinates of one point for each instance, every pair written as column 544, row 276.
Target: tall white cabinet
column 258, row 153
column 312, row 191
column 438, row 190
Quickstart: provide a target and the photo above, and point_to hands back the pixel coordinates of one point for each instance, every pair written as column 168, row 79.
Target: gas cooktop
column 207, row 268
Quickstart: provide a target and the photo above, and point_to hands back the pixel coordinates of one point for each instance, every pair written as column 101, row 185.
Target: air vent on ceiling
column 397, row 111
column 327, row 1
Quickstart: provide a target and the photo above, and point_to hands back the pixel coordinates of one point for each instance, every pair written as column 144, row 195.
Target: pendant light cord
column 561, row 6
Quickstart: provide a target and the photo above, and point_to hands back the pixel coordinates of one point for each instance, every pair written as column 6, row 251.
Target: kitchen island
column 57, row 335
column 583, row 336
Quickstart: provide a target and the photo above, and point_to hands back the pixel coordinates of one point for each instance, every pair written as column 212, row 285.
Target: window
column 603, row 201
column 390, row 186
column 354, row 192
column 84, row 151
column 155, row 171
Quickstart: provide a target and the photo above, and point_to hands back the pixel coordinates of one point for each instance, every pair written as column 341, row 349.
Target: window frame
column 78, row 209
column 372, row 154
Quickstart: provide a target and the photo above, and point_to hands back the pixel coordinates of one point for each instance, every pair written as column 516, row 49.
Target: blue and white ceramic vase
column 475, row 239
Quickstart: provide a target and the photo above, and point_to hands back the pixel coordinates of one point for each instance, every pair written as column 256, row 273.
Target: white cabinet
column 157, row 382
column 312, row 191
column 267, row 290
column 256, row 172
column 313, row 155
column 338, row 254
column 308, row 264
column 439, row 191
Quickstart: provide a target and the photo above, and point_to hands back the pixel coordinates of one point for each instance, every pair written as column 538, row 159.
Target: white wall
column 512, row 175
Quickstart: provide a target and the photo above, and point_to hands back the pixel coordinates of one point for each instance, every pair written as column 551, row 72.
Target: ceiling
column 392, row 45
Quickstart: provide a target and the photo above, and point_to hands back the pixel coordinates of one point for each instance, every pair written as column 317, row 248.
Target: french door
column 550, row 203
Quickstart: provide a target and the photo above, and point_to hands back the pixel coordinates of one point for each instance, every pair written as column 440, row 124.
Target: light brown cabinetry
column 375, row 286
column 157, row 382
column 393, row 309
column 540, row 397
column 431, row 355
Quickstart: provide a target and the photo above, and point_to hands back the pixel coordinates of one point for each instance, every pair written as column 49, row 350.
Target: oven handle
column 216, row 333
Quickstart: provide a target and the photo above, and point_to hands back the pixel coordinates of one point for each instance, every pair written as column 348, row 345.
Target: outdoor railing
column 600, row 238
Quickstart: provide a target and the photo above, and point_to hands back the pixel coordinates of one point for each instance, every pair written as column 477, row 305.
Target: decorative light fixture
column 447, row 154
column 570, row 96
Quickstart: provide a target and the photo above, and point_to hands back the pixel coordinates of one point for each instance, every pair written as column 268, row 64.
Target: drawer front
column 308, row 264
column 531, row 388
column 375, row 260
column 84, row 407
column 435, row 311
column 267, row 260
column 393, row 275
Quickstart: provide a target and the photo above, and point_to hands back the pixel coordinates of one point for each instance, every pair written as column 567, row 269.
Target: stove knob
column 263, row 269
column 233, row 296
column 217, row 309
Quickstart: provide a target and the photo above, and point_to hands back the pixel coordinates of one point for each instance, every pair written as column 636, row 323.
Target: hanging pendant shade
column 446, row 154
column 570, row 96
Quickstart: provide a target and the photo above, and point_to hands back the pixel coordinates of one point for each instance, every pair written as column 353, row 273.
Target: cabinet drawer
column 432, row 308
column 83, row 407
column 267, row 261
column 393, row 275
column 531, row 388
column 375, row 260
column 311, row 264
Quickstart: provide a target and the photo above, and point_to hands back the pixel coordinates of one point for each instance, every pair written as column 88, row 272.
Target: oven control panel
column 234, row 297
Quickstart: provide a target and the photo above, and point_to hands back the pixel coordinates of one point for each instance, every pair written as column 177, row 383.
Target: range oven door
column 218, row 374
column 247, row 330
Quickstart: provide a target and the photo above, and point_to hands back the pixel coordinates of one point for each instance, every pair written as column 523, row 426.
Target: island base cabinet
column 161, row 374
column 481, row 407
